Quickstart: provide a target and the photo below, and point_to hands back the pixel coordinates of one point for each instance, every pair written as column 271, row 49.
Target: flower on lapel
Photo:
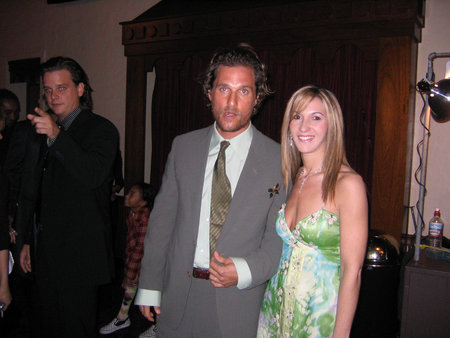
column 274, row 190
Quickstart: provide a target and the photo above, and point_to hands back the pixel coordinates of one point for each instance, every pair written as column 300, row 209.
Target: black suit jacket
column 4, row 235
column 70, row 189
column 13, row 168
column 29, row 184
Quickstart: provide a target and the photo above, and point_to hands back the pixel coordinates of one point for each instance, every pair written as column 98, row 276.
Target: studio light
column 438, row 98
column 436, row 105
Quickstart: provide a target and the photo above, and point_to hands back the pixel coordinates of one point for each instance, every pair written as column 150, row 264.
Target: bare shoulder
column 349, row 185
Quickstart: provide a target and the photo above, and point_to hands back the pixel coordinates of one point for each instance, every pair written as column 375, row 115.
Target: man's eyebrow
column 56, row 86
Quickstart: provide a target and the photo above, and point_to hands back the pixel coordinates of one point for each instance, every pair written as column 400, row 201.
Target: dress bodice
column 320, row 230
column 301, row 299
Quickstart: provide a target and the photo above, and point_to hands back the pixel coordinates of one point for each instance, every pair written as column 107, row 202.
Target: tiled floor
column 16, row 322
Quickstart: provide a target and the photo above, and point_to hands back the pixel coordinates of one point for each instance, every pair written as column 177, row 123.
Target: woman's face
column 309, row 128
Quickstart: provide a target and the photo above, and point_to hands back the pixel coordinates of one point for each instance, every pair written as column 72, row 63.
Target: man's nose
column 232, row 99
column 54, row 94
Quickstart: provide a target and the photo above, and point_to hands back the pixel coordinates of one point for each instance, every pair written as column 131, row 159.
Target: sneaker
column 115, row 325
column 150, row 332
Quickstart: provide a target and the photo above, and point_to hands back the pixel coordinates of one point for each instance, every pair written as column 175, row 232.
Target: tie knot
column 224, row 145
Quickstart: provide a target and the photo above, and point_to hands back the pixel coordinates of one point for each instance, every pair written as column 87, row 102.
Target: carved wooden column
column 135, row 119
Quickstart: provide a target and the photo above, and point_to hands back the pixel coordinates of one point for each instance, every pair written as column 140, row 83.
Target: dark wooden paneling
column 391, row 134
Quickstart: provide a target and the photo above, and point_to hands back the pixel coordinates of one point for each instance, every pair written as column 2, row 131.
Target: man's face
column 10, row 111
column 61, row 93
column 233, row 97
column 2, row 126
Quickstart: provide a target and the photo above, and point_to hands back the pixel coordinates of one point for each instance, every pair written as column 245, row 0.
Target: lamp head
column 438, row 98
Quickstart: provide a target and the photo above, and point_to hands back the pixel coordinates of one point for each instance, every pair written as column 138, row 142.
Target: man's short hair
column 77, row 73
column 241, row 55
column 6, row 94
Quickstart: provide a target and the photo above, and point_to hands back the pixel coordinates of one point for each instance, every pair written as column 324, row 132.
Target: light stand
column 428, row 87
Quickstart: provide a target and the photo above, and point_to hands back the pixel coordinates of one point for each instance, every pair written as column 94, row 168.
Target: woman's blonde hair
column 335, row 148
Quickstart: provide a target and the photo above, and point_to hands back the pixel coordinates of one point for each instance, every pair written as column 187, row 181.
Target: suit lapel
column 78, row 122
column 249, row 178
column 199, row 166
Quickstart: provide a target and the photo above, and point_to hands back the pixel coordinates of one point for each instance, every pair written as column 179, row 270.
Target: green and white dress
column 301, row 299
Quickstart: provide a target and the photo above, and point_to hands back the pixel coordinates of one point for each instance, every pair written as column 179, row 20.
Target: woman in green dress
column 324, row 225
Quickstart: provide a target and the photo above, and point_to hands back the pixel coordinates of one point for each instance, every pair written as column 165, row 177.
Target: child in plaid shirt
column 140, row 201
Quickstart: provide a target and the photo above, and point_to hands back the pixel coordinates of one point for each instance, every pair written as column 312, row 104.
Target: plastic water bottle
column 435, row 230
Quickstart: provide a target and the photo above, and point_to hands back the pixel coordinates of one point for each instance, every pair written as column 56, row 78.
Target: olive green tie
column 220, row 197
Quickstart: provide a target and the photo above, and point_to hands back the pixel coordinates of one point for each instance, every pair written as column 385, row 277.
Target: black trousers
column 66, row 311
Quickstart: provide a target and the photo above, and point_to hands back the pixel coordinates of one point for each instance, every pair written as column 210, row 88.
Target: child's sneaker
column 150, row 332
column 115, row 325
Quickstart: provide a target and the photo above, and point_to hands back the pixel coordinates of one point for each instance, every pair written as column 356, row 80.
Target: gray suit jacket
column 249, row 231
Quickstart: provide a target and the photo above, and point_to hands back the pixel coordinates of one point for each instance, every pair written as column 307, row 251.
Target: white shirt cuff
column 243, row 272
column 148, row 297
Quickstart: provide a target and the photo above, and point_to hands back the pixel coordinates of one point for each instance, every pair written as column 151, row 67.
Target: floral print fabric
column 301, row 299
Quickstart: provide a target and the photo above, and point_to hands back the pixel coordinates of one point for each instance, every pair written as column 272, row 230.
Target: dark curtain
column 179, row 105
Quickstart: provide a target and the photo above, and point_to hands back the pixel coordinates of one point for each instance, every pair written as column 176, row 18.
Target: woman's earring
column 291, row 140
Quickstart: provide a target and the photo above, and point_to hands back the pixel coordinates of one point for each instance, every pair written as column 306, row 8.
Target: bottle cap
column 437, row 212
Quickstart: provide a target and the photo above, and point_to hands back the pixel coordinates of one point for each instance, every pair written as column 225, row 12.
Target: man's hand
column 5, row 297
column 44, row 124
column 5, row 294
column 147, row 313
column 12, row 234
column 222, row 272
column 25, row 258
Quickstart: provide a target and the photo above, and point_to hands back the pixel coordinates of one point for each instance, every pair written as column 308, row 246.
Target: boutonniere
column 275, row 190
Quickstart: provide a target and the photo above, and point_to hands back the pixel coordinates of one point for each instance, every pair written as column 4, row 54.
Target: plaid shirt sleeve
column 137, row 228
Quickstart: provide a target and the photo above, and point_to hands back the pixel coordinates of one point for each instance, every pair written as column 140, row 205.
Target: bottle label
column 436, row 229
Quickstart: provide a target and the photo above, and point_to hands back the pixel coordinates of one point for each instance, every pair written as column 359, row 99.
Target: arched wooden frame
column 387, row 32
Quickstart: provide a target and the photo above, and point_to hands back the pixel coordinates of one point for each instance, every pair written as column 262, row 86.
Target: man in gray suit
column 196, row 295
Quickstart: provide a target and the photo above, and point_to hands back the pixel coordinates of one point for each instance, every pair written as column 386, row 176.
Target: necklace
column 305, row 178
